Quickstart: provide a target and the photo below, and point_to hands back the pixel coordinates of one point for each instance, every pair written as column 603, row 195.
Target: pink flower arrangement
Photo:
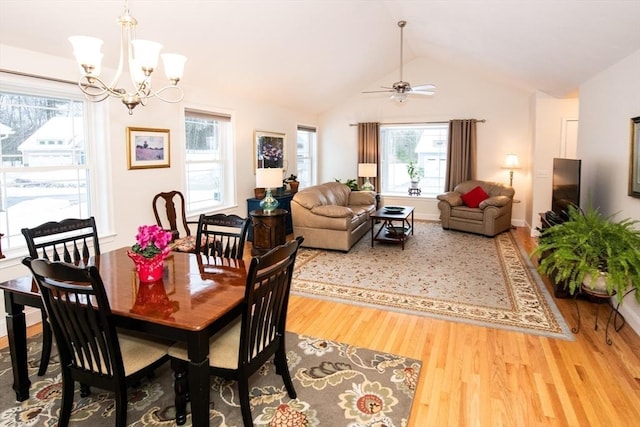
column 151, row 241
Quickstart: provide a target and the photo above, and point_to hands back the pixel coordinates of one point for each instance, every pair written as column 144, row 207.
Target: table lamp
column 268, row 178
column 511, row 162
column 366, row 171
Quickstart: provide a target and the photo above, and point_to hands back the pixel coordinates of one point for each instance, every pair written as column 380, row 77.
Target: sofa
column 331, row 215
column 486, row 210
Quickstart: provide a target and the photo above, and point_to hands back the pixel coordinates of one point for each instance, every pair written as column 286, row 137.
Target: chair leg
column 46, row 344
column 67, row 400
column 181, row 389
column 282, row 369
column 245, row 402
column 121, row 406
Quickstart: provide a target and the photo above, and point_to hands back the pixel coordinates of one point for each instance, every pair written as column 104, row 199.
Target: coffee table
column 388, row 232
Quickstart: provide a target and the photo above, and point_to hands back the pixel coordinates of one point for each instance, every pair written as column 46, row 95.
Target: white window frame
column 96, row 155
column 310, row 156
column 394, row 179
column 224, row 195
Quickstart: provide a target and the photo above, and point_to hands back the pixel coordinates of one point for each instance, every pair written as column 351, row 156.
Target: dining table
column 196, row 297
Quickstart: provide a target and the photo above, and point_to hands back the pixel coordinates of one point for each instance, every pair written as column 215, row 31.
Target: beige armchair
column 492, row 216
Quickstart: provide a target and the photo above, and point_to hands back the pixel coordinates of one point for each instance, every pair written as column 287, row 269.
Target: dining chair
column 247, row 343
column 221, row 235
column 172, row 217
column 73, row 240
column 91, row 351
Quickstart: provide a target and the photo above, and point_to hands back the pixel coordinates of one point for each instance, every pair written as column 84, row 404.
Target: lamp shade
column 367, row 170
column 511, row 162
column 269, row 177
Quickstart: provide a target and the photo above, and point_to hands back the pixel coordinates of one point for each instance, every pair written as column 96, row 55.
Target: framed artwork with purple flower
column 269, row 149
column 147, row 148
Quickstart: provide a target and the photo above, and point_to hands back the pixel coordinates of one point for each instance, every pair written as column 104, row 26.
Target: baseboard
column 630, row 309
column 32, row 317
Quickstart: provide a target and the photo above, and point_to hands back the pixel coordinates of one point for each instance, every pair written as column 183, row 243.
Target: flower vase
column 149, row 269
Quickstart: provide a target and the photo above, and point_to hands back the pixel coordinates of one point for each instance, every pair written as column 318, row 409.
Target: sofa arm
column 362, row 198
column 333, row 211
column 498, row 201
column 452, row 198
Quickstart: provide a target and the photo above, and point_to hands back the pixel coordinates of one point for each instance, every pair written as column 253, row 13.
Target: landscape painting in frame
column 147, row 148
column 269, row 149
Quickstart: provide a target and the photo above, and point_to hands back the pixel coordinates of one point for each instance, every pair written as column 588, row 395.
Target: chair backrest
column 80, row 316
column 71, row 240
column 222, row 235
column 265, row 303
column 172, row 217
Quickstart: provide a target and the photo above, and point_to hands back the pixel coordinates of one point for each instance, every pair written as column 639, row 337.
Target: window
column 305, row 155
column 425, row 144
column 208, row 164
column 46, row 171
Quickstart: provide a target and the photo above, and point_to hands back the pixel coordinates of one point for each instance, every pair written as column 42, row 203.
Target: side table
column 269, row 230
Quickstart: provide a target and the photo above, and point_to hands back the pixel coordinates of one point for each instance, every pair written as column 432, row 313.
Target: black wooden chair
column 246, row 344
column 70, row 240
column 172, row 217
column 91, row 351
column 221, row 235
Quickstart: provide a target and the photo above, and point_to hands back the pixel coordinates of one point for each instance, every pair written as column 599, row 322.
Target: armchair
column 491, row 216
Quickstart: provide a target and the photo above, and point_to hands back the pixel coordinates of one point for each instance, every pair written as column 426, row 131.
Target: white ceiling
column 310, row 54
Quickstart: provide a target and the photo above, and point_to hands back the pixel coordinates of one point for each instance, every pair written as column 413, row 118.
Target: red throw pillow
column 473, row 198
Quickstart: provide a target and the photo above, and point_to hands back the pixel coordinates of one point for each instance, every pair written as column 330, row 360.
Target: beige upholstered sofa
column 491, row 217
column 331, row 216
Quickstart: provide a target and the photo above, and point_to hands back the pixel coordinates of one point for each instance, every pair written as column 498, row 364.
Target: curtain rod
column 35, row 76
column 419, row 123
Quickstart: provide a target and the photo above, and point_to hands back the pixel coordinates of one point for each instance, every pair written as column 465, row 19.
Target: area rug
column 440, row 273
column 337, row 385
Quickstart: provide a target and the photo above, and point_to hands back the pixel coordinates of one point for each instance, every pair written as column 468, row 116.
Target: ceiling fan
column 401, row 89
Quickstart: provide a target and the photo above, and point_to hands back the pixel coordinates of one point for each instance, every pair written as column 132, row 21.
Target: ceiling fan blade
column 377, row 91
column 421, row 92
column 424, row 87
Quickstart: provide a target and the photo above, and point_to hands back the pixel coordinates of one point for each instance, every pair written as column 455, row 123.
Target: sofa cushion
column 474, row 197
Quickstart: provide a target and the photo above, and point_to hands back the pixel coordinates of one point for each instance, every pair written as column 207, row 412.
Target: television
column 566, row 186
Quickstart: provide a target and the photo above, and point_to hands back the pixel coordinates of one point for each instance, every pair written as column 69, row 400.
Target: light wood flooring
column 476, row 376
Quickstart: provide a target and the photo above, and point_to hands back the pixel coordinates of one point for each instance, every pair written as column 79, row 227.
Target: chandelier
column 142, row 58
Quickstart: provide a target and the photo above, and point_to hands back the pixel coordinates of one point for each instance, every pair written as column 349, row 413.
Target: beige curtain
column 368, row 144
column 462, row 152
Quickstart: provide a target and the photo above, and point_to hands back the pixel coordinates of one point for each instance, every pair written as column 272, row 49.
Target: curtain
column 368, row 144
column 462, row 151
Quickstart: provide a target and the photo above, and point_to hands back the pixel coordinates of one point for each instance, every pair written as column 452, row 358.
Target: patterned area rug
column 337, row 385
column 444, row 274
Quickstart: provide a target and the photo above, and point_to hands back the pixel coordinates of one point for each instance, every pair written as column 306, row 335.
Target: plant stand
column 414, row 191
column 599, row 299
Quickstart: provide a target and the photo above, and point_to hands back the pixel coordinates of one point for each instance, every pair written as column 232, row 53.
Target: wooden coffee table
column 388, row 231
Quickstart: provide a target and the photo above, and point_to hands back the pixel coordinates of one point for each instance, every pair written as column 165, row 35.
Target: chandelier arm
column 102, row 88
column 173, row 88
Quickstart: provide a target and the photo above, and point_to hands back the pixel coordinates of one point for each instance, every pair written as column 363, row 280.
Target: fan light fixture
column 268, row 178
column 366, row 171
column 142, row 58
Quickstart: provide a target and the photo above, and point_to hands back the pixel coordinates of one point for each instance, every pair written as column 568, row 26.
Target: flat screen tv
column 566, row 185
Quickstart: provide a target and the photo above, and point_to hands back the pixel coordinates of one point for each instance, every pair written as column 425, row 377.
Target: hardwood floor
column 476, row 376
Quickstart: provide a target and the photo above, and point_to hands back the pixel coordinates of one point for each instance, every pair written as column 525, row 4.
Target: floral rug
column 440, row 273
column 337, row 385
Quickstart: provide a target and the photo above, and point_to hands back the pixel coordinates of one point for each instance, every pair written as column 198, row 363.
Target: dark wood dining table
column 203, row 294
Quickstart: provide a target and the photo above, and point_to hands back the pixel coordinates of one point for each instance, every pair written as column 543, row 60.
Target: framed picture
column 147, row 148
column 634, row 161
column 269, row 148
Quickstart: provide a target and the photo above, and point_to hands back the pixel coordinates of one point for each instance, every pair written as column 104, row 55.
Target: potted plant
column 351, row 183
column 590, row 249
column 415, row 173
column 292, row 180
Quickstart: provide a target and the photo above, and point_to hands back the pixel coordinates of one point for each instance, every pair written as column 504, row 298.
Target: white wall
column 460, row 94
column 132, row 190
column 607, row 103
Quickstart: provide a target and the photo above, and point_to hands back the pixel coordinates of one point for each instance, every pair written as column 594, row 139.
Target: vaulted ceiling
column 310, row 54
